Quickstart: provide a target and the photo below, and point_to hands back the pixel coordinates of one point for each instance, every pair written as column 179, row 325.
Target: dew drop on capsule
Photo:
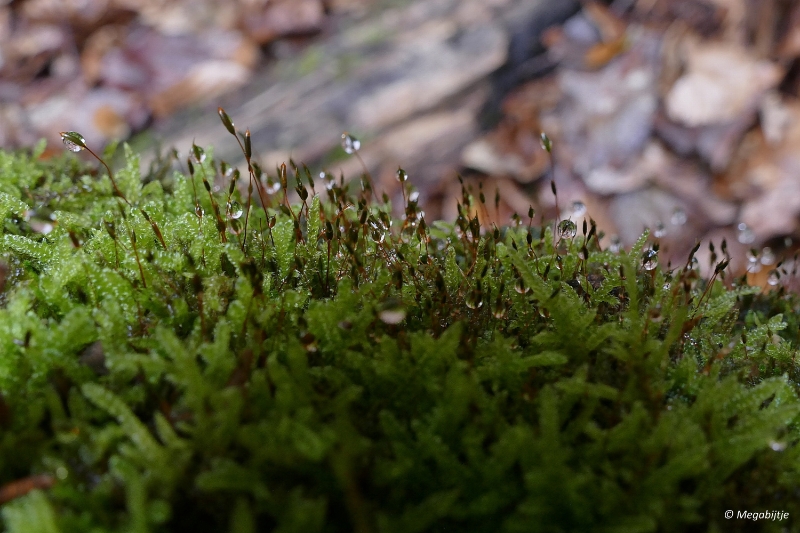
column 547, row 144
column 520, row 287
column 745, row 235
column 777, row 446
column 767, row 256
column 753, row 263
column 350, row 144
column 198, row 155
column 660, row 230
column 774, row 278
column 567, row 229
column 616, row 245
column 402, row 175
column 272, row 188
column 499, row 309
column 678, row 217
column 392, row 316
column 414, row 196
column 71, row 145
column 649, row 259
column 578, row 209
column 235, row 210
column 474, row 299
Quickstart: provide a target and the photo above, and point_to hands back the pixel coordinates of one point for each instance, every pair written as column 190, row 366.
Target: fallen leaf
column 722, row 83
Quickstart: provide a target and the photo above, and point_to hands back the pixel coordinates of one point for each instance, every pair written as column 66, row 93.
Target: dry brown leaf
column 722, row 83
column 611, row 27
column 284, row 18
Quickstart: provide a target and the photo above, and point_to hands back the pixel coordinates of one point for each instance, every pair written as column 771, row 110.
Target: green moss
column 325, row 370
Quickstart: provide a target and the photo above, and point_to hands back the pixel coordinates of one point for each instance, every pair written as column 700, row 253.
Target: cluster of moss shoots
column 189, row 352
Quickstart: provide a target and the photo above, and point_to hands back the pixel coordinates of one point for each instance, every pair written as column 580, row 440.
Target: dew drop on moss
column 350, row 144
column 499, row 309
column 753, row 262
column 69, row 139
column 745, row 235
column 520, row 287
column 392, row 316
column 767, row 256
column 777, row 446
column 474, row 300
column 616, row 245
column 71, row 146
column 235, row 210
column 678, row 217
column 198, row 155
column 567, row 229
column 649, row 259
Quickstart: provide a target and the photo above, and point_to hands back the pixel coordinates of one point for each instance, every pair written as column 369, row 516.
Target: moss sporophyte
column 189, row 350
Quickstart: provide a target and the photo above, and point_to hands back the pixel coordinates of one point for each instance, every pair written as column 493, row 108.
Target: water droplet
column 198, row 211
column 378, row 236
column 578, row 209
column 499, row 309
column 323, row 175
column 350, row 144
column 667, row 285
column 402, row 175
column 694, row 264
column 567, row 229
column 392, row 316
column 745, row 234
column 474, row 299
column 198, row 155
column 272, row 188
column 615, row 245
column 547, row 144
column 235, row 210
column 777, row 446
column 678, row 217
column 774, row 278
column 414, row 196
column 649, row 259
column 520, row 287
column 660, row 230
column 73, row 140
column 753, row 262
column 40, row 226
column 767, row 256
column 40, row 221
column 71, row 146
column 234, row 228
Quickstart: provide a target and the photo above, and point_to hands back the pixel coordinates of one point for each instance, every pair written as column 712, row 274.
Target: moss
column 167, row 365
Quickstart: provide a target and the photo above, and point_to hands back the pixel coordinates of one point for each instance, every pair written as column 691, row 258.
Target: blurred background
column 681, row 116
